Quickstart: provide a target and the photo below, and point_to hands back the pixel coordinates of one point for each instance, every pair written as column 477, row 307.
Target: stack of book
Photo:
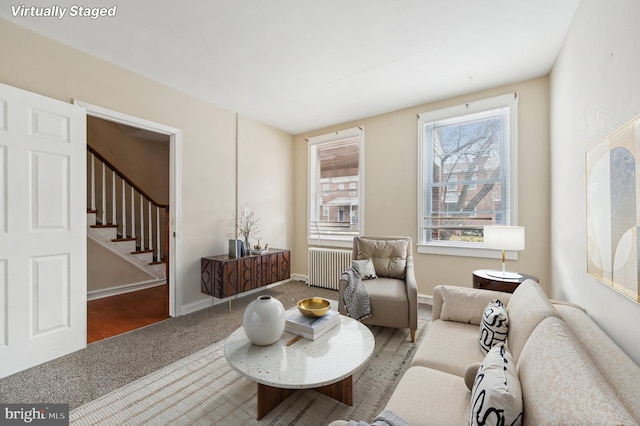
column 310, row 328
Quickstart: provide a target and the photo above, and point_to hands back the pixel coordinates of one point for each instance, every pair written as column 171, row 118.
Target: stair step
column 108, row 225
column 92, row 211
column 119, row 240
column 159, row 262
column 141, row 251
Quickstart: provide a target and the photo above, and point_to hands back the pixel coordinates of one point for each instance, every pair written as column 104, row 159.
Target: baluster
column 133, row 215
column 141, row 222
column 150, row 228
column 93, row 181
column 104, row 194
column 114, row 219
column 124, row 211
column 158, row 234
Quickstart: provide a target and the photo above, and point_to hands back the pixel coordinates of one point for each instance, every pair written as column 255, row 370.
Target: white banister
column 104, row 194
column 93, row 181
column 124, row 211
column 141, row 222
column 133, row 214
column 113, row 198
column 150, row 227
column 158, row 256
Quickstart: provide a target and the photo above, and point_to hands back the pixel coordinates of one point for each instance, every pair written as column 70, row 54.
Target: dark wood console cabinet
column 223, row 276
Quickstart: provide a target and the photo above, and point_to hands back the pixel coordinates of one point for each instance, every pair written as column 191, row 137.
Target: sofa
column 570, row 372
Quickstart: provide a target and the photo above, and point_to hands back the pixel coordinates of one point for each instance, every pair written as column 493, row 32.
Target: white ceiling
column 300, row 65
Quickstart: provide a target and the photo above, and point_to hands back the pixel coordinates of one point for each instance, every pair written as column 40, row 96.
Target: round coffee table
column 325, row 364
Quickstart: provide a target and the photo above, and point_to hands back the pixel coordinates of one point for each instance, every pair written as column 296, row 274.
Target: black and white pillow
column 494, row 326
column 365, row 268
column 496, row 397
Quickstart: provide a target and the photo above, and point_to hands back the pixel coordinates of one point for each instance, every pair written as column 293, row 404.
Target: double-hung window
column 336, row 171
column 467, row 174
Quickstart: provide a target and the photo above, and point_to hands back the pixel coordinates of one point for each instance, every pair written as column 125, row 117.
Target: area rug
column 202, row 389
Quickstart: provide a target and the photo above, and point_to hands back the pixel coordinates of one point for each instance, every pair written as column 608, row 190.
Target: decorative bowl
column 314, row 307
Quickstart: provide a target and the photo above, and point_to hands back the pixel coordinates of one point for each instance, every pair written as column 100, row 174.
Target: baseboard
column 300, row 277
column 425, row 298
column 198, row 305
column 128, row 288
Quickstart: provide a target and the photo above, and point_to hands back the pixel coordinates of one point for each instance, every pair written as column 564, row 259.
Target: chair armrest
column 412, row 293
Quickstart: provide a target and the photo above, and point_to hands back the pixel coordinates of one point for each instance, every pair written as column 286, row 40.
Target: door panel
column 42, row 229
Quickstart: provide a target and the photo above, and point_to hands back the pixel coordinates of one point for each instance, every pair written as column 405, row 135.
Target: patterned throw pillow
column 494, row 326
column 496, row 397
column 365, row 268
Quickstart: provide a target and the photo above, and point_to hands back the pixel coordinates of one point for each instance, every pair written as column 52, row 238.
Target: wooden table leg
column 270, row 397
column 340, row 391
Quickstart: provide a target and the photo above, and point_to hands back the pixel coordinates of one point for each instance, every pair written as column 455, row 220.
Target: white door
column 43, row 270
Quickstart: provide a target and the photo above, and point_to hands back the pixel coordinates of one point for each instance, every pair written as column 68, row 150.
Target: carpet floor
column 202, row 389
column 110, row 364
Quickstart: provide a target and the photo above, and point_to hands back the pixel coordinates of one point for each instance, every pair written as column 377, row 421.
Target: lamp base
column 505, row 275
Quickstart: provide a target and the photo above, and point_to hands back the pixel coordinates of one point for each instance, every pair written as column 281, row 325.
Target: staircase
column 124, row 219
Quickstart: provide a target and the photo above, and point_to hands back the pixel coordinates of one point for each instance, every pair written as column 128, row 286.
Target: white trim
column 425, row 298
column 330, row 242
column 470, row 250
column 127, row 288
column 450, row 250
column 329, row 137
column 175, row 194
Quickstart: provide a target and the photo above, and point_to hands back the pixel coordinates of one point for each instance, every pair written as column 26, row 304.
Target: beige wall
column 594, row 91
column 145, row 162
column 109, row 270
column 391, row 186
column 37, row 64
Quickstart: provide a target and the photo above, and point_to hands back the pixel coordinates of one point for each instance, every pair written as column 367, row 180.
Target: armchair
column 393, row 294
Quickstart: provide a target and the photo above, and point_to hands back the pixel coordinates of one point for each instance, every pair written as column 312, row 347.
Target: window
column 467, row 174
column 336, row 163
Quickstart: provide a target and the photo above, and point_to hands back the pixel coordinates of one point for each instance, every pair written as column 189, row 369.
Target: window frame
column 320, row 239
column 509, row 100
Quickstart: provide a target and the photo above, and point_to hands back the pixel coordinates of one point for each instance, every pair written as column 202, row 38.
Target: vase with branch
column 248, row 227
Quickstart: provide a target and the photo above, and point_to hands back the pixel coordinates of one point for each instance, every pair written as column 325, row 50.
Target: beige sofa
column 570, row 371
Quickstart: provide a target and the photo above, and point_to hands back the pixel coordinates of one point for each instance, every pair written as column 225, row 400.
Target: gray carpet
column 109, row 364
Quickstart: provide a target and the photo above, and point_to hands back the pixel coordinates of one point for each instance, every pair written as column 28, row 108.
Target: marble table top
column 306, row 363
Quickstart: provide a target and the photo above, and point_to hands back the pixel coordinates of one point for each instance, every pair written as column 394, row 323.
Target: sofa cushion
column 389, row 302
column 389, row 256
column 426, row 396
column 365, row 269
column 527, row 307
column 622, row 374
column 560, row 383
column 449, row 346
column 496, row 397
column 494, row 326
column 463, row 304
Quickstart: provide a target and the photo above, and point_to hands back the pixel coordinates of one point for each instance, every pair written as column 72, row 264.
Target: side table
column 482, row 279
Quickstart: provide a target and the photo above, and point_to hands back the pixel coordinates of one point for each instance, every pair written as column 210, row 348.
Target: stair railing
column 119, row 202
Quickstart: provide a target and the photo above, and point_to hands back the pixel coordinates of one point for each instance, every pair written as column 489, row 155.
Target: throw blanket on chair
column 356, row 298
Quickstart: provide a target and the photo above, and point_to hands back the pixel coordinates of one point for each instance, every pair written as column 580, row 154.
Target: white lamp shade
column 504, row 237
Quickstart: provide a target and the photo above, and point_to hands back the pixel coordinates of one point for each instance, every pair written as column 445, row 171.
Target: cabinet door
column 246, row 273
column 225, row 278
column 285, row 265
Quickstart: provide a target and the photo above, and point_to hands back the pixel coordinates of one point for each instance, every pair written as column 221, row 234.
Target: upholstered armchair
column 393, row 294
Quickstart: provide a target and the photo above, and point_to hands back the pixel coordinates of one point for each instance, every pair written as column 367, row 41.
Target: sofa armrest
column 463, row 304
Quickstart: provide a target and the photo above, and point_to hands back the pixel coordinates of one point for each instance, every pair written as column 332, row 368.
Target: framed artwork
column 613, row 210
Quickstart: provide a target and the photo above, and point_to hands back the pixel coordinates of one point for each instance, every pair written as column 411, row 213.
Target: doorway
column 164, row 298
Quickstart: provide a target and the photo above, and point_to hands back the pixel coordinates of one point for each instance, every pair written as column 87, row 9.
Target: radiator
column 326, row 266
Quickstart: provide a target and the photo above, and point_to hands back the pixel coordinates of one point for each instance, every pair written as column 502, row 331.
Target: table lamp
column 504, row 238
